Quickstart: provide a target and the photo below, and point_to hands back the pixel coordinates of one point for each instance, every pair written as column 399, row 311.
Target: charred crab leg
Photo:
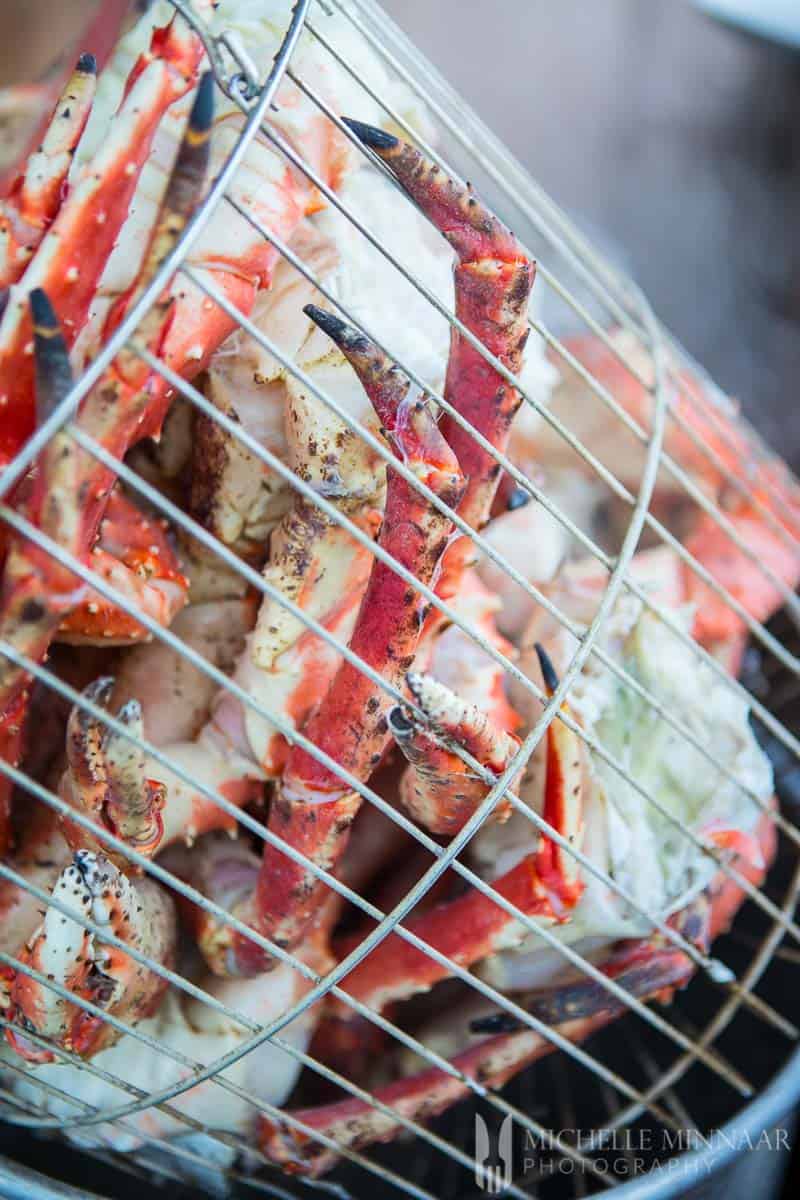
column 140, row 914
column 35, row 198
column 428, row 1093
column 472, row 926
column 313, row 809
column 649, row 969
column 493, row 281
column 440, row 790
column 71, row 258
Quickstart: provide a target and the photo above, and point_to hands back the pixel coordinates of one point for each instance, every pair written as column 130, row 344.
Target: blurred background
column 671, row 137
column 674, row 140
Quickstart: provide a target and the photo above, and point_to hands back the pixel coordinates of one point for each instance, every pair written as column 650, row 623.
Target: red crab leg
column 734, row 570
column 68, row 492
column 12, row 730
column 645, row 968
column 36, row 196
column 472, row 926
column 313, row 808
column 73, row 253
column 649, row 969
column 493, row 281
column 140, row 914
column 440, row 790
column 101, row 33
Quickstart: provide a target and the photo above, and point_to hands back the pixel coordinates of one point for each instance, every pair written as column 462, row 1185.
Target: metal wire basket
column 688, row 1068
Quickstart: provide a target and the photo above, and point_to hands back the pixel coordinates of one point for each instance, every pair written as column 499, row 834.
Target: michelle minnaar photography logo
column 503, row 1153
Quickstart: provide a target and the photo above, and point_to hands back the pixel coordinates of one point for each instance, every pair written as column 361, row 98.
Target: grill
column 652, row 1085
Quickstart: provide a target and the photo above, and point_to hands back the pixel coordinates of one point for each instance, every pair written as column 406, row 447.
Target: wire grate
column 686, row 436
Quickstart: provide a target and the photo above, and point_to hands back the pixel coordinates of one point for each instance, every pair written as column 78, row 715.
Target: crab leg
column 36, row 196
column 650, row 968
column 493, row 281
column 68, row 492
column 467, row 929
column 70, row 259
column 141, row 915
column 440, row 790
column 646, row 969
column 734, row 570
column 313, row 810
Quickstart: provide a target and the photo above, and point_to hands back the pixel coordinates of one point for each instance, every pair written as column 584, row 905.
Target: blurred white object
column 777, row 19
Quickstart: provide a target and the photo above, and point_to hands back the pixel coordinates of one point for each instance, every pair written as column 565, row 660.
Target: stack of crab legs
column 350, row 716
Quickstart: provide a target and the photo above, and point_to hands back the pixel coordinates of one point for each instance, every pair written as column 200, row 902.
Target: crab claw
column 35, row 198
column 106, row 776
column 68, row 955
column 440, row 790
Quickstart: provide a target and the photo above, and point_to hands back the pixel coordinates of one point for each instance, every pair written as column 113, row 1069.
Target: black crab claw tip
column 53, row 371
column 202, row 114
column 87, row 64
column 337, row 330
column 518, row 498
column 400, row 725
column 498, row 1022
column 45, row 320
column 376, row 139
column 548, row 670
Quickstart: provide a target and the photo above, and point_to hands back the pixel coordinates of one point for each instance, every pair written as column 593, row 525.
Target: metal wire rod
column 564, row 232
column 726, row 1014
column 230, row 1141
column 378, row 551
column 14, row 470
column 755, row 628
column 198, row 1073
column 713, row 967
column 323, row 985
column 429, row 151
column 539, row 597
column 178, row 981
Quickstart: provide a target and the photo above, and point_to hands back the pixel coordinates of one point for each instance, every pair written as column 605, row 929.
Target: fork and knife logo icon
column 493, row 1166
